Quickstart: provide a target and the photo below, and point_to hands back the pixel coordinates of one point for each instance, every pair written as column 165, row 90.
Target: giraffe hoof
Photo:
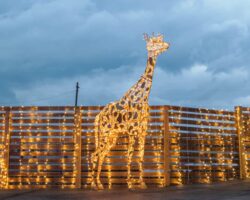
column 100, row 186
column 143, row 185
column 93, row 186
column 130, row 186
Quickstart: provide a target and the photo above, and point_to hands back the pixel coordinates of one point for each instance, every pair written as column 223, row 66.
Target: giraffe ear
column 145, row 35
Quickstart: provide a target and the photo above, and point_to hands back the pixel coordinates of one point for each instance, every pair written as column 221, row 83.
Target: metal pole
column 76, row 98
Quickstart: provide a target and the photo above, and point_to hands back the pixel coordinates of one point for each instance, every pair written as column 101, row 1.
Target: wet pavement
column 232, row 190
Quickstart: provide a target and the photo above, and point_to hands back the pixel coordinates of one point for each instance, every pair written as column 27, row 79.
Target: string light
column 214, row 130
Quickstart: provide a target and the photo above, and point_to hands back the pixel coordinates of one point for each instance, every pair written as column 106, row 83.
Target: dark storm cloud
column 48, row 45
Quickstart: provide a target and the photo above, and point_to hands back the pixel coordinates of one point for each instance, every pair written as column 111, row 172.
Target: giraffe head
column 155, row 45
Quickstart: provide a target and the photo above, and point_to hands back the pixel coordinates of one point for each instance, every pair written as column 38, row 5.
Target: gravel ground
column 232, row 190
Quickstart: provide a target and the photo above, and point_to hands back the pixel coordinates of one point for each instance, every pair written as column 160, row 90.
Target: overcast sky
column 46, row 46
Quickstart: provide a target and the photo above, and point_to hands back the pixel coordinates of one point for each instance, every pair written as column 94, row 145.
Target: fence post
column 6, row 150
column 240, row 133
column 78, row 146
column 166, row 147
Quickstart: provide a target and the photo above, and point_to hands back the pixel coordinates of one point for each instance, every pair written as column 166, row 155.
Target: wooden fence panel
column 43, row 147
column 243, row 122
column 204, row 145
column 4, row 146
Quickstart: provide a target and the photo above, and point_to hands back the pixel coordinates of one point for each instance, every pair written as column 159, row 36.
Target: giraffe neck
column 149, row 71
column 139, row 92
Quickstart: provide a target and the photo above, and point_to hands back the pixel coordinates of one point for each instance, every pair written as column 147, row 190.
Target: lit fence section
column 42, row 147
column 243, row 128
column 4, row 136
column 45, row 147
column 204, row 145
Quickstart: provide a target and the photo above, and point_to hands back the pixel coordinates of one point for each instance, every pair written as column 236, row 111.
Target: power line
column 42, row 99
column 51, row 97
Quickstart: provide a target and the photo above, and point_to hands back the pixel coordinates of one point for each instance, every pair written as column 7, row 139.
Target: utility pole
column 77, row 141
column 76, row 99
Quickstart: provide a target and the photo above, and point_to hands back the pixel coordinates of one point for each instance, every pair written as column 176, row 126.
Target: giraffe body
column 128, row 116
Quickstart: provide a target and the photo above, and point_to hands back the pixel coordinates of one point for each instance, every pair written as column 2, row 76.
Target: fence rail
column 44, row 147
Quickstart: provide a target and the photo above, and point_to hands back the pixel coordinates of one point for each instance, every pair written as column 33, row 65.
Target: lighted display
column 128, row 116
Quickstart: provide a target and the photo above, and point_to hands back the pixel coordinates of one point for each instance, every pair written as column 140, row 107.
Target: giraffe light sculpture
column 129, row 116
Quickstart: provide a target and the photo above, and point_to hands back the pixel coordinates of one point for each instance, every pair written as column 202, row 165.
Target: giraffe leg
column 94, row 159
column 103, row 154
column 130, row 154
column 99, row 168
column 141, row 156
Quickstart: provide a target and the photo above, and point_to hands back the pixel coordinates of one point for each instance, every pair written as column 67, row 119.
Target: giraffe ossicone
column 127, row 116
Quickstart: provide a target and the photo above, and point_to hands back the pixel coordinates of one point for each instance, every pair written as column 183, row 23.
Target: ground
column 232, row 190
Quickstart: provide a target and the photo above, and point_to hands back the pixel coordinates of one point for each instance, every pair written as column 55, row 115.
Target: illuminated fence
column 3, row 166
column 41, row 147
column 44, row 147
column 204, row 145
column 243, row 124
